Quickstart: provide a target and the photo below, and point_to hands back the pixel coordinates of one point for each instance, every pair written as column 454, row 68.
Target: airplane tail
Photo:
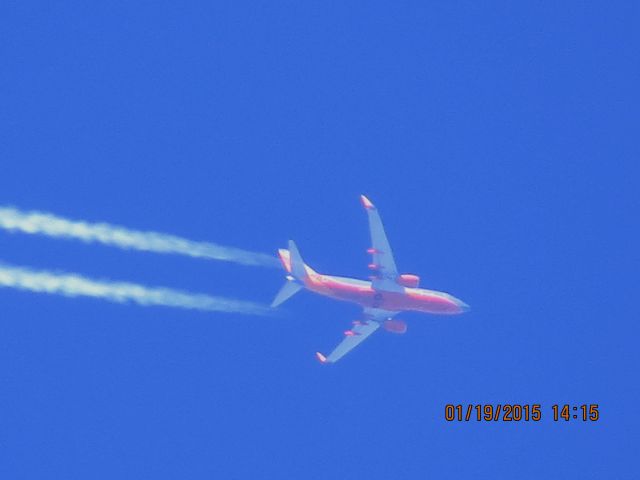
column 297, row 271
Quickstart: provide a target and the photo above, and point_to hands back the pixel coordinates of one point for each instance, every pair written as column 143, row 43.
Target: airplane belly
column 360, row 296
column 360, row 293
column 435, row 303
column 363, row 294
column 370, row 298
column 407, row 301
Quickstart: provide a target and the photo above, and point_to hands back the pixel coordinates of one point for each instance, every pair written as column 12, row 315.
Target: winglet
column 366, row 203
column 321, row 358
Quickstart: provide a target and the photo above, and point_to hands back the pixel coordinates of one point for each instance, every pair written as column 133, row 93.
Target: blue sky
column 495, row 138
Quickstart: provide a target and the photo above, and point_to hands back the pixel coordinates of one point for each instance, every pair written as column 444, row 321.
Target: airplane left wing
column 372, row 320
column 383, row 263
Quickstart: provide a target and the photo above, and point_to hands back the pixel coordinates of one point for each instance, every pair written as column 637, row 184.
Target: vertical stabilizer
column 298, row 268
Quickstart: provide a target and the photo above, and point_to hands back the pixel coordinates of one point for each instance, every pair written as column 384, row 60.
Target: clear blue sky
column 496, row 140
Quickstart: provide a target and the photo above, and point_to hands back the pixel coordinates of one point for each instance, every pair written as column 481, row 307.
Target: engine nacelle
column 395, row 326
column 408, row 280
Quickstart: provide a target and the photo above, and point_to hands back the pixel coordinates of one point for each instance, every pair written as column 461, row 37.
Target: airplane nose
column 463, row 306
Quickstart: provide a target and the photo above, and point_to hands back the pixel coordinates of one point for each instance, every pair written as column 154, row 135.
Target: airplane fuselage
column 362, row 293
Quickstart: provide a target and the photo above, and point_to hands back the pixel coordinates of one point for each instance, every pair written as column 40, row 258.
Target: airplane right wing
column 383, row 264
column 372, row 320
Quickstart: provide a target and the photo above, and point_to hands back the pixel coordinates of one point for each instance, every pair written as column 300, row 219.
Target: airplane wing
column 383, row 264
column 372, row 320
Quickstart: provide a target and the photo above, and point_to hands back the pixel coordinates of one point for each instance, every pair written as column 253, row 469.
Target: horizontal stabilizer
column 289, row 289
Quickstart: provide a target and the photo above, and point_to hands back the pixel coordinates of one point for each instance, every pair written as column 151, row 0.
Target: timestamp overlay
column 521, row 412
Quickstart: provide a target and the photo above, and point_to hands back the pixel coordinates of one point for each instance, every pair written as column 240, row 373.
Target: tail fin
column 298, row 268
column 298, row 273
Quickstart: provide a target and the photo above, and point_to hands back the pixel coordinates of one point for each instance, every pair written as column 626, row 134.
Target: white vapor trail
column 15, row 220
column 73, row 285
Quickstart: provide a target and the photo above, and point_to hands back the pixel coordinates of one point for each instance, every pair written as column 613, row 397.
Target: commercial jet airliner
column 386, row 294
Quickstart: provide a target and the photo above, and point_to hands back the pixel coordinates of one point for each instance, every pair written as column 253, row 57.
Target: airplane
column 386, row 294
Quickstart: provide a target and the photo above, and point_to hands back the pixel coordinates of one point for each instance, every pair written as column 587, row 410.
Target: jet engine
column 408, row 280
column 395, row 326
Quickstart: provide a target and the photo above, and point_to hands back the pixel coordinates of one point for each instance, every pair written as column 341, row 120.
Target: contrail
column 74, row 285
column 14, row 220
